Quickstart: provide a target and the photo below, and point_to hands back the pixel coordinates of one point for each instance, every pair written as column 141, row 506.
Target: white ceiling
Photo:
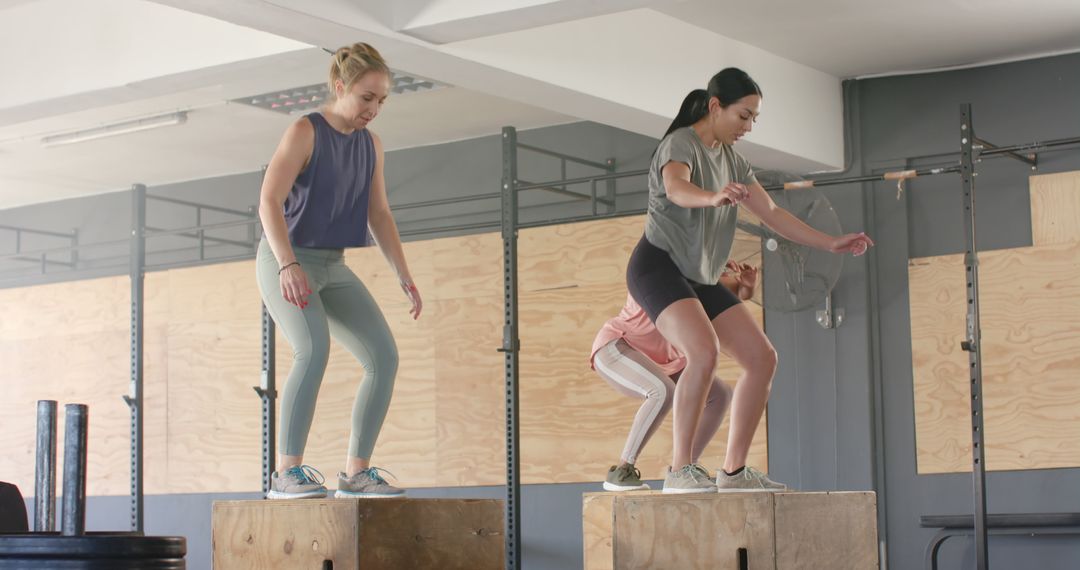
column 853, row 38
column 71, row 65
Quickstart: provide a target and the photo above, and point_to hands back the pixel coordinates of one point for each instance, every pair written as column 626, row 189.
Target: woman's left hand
column 747, row 276
column 414, row 297
column 855, row 244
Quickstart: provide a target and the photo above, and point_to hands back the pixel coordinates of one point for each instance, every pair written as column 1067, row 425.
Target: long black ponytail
column 728, row 86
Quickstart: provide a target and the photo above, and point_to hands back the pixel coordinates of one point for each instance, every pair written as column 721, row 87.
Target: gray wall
column 842, row 411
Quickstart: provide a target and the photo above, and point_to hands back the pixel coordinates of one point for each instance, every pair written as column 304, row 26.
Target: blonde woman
column 323, row 191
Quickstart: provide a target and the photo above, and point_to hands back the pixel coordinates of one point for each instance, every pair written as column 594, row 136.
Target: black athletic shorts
column 655, row 283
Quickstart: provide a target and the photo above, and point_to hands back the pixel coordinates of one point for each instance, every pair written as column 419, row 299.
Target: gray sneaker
column 702, row 470
column 688, row 479
column 749, row 480
column 297, row 482
column 367, row 484
column 624, row 477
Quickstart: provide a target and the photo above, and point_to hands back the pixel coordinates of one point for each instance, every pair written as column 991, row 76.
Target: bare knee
column 703, row 356
column 762, row 360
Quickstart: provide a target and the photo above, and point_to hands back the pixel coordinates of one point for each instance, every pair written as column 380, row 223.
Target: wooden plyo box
column 354, row 534
column 721, row 531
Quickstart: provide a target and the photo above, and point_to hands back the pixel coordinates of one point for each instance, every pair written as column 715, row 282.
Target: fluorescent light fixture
column 115, row 129
column 303, row 99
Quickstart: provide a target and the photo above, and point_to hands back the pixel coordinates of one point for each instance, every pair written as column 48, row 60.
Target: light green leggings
column 341, row 306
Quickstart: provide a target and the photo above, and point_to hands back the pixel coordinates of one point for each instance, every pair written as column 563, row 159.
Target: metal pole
column 445, row 201
column 578, row 160
column 253, row 238
column 42, row 261
column 575, row 219
column 993, row 151
column 1031, row 160
column 134, row 398
column 267, row 391
column 560, row 190
column 562, row 172
column 582, row 180
column 75, row 251
column 18, row 229
column 45, row 469
column 66, row 249
column 973, row 344
column 611, row 186
column 901, row 175
column 74, row 516
column 455, row 228
column 1029, row 147
column 241, row 213
column 510, row 347
column 201, row 235
column 208, row 227
column 592, row 196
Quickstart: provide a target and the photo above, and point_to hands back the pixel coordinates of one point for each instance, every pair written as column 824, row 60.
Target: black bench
column 1020, row 523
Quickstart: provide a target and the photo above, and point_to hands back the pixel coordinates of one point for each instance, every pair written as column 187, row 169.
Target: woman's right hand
column 730, row 195
column 855, row 244
column 294, row 285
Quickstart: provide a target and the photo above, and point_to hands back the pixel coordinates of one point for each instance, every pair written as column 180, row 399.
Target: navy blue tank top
column 328, row 204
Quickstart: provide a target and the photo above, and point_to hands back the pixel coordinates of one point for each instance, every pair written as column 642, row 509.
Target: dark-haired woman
column 696, row 183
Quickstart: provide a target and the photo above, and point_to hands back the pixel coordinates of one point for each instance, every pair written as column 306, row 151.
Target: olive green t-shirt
column 697, row 239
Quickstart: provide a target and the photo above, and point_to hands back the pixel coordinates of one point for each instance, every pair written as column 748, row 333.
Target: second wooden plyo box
column 720, row 531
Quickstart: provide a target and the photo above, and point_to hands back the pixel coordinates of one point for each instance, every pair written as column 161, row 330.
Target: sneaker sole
column 723, row 490
column 278, row 495
column 668, row 491
column 614, row 487
column 348, row 495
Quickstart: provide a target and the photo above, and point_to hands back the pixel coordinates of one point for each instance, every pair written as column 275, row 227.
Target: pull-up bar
column 983, row 150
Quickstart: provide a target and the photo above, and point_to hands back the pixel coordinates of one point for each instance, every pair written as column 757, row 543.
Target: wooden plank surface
column 703, row 531
column 455, row 534
column 470, row 396
column 257, row 535
column 786, row 531
column 1030, row 304
column 597, row 522
column 388, row 534
column 1055, row 208
column 70, row 342
column 837, row 531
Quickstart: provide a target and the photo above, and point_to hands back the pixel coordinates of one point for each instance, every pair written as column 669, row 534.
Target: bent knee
column 703, row 355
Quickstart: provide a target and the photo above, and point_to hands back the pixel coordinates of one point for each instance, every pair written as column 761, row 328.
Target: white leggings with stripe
column 634, row 374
